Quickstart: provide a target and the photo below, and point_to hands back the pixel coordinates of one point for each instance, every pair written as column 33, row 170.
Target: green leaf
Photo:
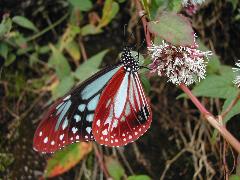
column 139, row 177
column 5, row 26
column 234, row 177
column 82, row 5
column 146, row 7
column 43, row 49
column 66, row 158
column 89, row 67
column 173, row 28
column 175, row 5
column 110, row 10
column 214, row 65
column 73, row 50
column 146, row 83
column 33, row 58
column 10, row 59
column 63, row 87
column 215, row 86
column 234, row 111
column 115, row 169
column 4, row 50
column 24, row 22
column 90, row 29
column 6, row 159
column 234, row 3
column 70, row 33
column 59, row 63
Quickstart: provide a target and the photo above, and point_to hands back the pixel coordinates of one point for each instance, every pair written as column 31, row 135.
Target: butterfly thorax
column 129, row 62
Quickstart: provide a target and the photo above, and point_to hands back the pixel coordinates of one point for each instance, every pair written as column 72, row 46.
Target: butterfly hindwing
column 123, row 113
column 70, row 119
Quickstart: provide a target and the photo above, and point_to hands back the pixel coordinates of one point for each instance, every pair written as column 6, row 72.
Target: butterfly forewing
column 70, row 119
column 123, row 113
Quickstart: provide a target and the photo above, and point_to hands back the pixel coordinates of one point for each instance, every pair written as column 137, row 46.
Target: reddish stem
column 144, row 21
column 207, row 115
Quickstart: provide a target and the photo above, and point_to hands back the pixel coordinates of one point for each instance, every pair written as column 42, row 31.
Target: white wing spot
column 71, row 138
column 136, row 133
column 123, row 134
column 124, row 139
column 111, row 141
column 61, row 137
column 40, row 134
column 106, row 139
column 77, row 118
column 52, row 143
column 105, row 132
column 98, row 122
column 116, row 140
column 89, row 117
column 115, row 123
column 45, row 140
column 81, row 107
column 101, row 138
column 86, row 136
column 130, row 137
column 88, row 129
column 74, row 130
column 77, row 137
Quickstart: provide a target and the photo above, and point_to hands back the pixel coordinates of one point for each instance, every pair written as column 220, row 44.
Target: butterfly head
column 129, row 62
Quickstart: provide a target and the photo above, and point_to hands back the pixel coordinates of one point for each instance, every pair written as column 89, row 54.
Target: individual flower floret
column 191, row 6
column 180, row 64
column 193, row 2
column 236, row 81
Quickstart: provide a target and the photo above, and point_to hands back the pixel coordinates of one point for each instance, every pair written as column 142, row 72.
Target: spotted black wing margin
column 70, row 119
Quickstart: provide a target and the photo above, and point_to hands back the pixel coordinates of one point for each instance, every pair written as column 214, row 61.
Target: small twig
column 45, row 15
column 171, row 161
column 125, row 161
column 100, row 160
column 212, row 120
column 48, row 28
column 231, row 105
column 144, row 22
column 82, row 47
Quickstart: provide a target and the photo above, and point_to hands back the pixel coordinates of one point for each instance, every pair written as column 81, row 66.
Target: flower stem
column 207, row 115
column 212, row 120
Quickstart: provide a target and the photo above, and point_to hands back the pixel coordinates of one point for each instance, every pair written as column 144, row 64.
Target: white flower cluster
column 193, row 2
column 180, row 64
column 236, row 81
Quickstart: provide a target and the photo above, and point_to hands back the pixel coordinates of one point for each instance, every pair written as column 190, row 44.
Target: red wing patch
column 70, row 119
column 61, row 126
column 123, row 113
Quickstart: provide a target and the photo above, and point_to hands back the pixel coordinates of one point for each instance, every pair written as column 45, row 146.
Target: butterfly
column 110, row 107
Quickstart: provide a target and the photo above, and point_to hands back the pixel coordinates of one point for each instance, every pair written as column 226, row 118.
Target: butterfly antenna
column 132, row 33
